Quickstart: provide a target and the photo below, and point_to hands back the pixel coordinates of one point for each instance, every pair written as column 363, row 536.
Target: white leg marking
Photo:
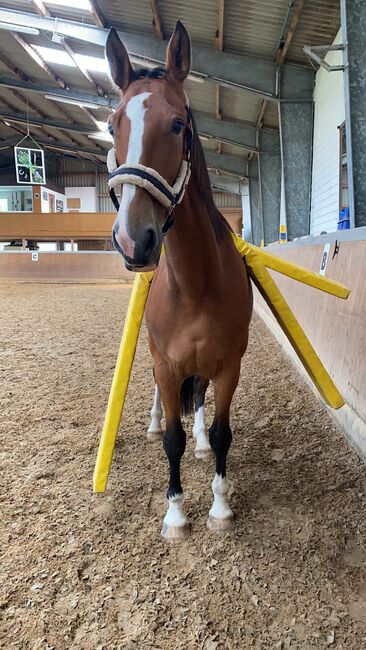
column 135, row 111
column 220, row 507
column 175, row 517
column 156, row 414
column 203, row 449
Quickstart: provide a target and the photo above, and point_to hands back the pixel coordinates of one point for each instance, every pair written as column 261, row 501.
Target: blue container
column 343, row 221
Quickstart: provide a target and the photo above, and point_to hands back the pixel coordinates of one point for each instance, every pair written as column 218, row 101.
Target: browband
column 150, row 180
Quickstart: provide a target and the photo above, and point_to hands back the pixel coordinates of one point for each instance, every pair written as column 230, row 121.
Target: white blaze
column 135, row 111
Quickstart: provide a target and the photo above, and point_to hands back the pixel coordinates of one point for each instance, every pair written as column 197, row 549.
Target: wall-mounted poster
column 29, row 165
column 59, row 205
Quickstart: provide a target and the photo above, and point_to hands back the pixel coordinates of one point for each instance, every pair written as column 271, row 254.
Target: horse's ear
column 178, row 54
column 119, row 62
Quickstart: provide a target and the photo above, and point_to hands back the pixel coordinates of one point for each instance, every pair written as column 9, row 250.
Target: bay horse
column 200, row 301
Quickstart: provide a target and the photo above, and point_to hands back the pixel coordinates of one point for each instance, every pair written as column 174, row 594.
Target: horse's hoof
column 155, row 436
column 176, row 533
column 220, row 525
column 204, row 454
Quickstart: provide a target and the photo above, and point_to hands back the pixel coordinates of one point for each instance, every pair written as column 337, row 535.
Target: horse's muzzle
column 144, row 251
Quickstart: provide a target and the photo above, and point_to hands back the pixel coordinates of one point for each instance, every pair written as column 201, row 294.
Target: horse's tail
column 187, row 393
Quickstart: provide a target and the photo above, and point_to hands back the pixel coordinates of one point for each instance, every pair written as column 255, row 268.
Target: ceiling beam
column 52, row 124
column 227, row 184
column 26, row 79
column 226, row 131
column 97, row 14
column 156, row 19
column 220, row 30
column 43, row 11
column 250, row 73
column 234, row 165
column 46, row 68
column 282, row 51
column 38, row 59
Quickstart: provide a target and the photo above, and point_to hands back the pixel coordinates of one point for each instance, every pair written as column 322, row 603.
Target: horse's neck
column 191, row 246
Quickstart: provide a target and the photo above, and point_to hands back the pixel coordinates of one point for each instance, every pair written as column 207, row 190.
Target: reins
column 150, row 180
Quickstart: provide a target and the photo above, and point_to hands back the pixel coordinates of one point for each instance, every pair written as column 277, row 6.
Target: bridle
column 150, row 180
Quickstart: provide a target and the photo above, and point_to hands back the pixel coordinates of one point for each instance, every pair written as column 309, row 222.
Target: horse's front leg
column 221, row 516
column 175, row 524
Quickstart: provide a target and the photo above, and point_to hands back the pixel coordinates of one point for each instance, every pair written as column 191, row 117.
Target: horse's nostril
column 150, row 240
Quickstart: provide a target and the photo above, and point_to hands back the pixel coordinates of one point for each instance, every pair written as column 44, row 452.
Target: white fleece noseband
column 149, row 179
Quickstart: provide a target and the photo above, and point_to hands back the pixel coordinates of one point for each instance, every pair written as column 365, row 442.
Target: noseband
column 150, row 180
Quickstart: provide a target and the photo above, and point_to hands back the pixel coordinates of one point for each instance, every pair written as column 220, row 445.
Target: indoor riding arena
column 145, row 148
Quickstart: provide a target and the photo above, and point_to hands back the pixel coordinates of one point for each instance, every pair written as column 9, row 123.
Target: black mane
column 200, row 174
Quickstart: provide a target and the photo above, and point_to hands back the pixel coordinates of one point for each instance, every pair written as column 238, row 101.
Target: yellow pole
column 121, row 377
column 256, row 260
column 293, row 271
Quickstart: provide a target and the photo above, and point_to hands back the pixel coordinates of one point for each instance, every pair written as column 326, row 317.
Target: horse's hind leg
column 221, row 516
column 203, row 450
column 175, row 524
column 155, row 431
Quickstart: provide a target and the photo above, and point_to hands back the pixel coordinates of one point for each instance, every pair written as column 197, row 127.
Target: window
column 16, row 199
column 343, row 177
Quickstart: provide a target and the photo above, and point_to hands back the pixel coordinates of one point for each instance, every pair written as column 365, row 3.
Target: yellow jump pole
column 293, row 271
column 121, row 377
column 256, row 260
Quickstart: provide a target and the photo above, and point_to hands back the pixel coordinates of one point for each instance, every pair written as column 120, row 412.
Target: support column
column 255, row 202
column 270, row 183
column 247, row 233
column 296, row 136
column 353, row 19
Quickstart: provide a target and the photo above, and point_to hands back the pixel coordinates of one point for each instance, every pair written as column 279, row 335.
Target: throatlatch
column 150, row 180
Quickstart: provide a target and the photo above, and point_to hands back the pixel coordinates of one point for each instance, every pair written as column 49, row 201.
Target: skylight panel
column 61, row 57
column 52, row 55
column 80, row 4
column 92, row 63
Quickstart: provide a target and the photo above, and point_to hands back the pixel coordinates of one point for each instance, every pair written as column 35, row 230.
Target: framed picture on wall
column 30, row 167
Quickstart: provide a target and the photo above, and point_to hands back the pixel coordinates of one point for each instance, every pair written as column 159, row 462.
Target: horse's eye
column 177, row 126
column 110, row 129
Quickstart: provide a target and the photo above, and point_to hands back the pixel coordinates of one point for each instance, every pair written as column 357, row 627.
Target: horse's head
column 149, row 129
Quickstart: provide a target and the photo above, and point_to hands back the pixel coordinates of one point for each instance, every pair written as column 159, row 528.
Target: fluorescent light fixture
column 14, row 121
column 105, row 137
column 74, row 102
column 22, row 29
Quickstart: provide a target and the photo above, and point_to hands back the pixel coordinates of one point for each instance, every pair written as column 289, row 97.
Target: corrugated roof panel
column 318, row 25
column 129, row 15
column 239, row 104
column 254, row 27
column 200, row 18
column 201, row 96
